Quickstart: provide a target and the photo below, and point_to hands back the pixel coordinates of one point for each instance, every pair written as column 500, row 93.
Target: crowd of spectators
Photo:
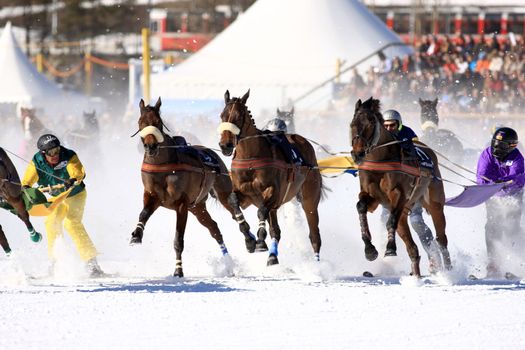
column 467, row 74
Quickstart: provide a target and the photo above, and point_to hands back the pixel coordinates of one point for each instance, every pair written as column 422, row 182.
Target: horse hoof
column 260, row 246
column 135, row 240
column 371, row 253
column 178, row 273
column 390, row 252
column 272, row 260
column 250, row 245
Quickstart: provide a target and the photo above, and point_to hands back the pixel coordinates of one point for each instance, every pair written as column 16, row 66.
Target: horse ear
column 141, row 105
column 420, row 101
column 158, row 104
column 227, row 96
column 278, row 111
column 291, row 112
column 358, row 104
column 435, row 102
column 245, row 97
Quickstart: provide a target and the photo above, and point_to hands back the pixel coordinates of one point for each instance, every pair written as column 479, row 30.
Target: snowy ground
column 298, row 304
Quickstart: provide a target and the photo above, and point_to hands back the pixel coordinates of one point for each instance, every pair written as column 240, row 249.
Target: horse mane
column 374, row 106
column 238, row 99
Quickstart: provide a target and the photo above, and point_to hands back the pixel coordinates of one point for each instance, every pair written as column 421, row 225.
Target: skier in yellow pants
column 52, row 165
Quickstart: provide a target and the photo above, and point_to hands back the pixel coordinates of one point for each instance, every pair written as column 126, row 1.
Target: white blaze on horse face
column 152, row 130
column 225, row 126
column 27, row 128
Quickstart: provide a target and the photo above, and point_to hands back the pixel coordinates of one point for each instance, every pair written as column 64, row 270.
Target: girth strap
column 390, row 166
column 259, row 163
column 168, row 168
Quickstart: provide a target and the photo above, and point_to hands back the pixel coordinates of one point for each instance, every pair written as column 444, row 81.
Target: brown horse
column 180, row 177
column 262, row 177
column 386, row 179
column 11, row 192
column 32, row 127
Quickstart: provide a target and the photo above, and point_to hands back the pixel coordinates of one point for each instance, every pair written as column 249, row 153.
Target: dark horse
column 289, row 119
column 87, row 136
column 261, row 175
column 441, row 140
column 11, row 192
column 180, row 177
column 397, row 185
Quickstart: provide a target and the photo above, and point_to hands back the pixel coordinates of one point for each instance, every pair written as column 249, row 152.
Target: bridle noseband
column 232, row 127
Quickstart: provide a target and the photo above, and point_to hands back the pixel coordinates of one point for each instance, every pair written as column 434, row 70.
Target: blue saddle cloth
column 207, row 157
column 291, row 153
column 424, row 160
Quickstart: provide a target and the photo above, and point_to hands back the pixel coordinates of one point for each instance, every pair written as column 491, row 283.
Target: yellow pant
column 70, row 212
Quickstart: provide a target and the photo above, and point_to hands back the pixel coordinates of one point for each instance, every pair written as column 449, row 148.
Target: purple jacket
column 493, row 170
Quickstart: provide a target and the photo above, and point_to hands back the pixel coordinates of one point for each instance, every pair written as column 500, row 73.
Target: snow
column 299, row 304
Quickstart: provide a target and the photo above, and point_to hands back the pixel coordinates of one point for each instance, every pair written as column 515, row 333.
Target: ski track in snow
column 299, row 304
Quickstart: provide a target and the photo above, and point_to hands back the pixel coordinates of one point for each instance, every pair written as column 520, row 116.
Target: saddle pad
column 424, row 160
column 207, row 158
column 291, row 152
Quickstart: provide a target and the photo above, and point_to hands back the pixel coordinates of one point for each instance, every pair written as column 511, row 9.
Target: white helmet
column 392, row 114
column 276, row 124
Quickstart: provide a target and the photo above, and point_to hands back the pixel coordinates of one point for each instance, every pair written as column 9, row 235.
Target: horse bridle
column 237, row 135
column 370, row 146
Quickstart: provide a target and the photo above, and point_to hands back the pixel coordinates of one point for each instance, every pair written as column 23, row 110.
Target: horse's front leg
column 262, row 215
column 3, row 241
column 362, row 209
column 204, row 218
column 275, row 234
column 151, row 204
column 178, row 243
column 232, row 204
column 22, row 213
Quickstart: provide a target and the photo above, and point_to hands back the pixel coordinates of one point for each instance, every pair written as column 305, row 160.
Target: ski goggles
column 503, row 145
column 52, row 151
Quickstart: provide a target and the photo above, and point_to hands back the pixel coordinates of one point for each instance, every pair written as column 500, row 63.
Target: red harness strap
column 169, row 168
column 259, row 163
column 389, row 166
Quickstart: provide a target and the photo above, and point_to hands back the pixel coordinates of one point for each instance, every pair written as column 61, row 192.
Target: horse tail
column 324, row 190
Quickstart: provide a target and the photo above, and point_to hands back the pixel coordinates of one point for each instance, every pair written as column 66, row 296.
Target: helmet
column 503, row 142
column 46, row 142
column 276, row 124
column 392, row 114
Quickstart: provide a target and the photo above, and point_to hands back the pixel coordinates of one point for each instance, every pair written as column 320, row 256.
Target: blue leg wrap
column 224, row 250
column 273, row 247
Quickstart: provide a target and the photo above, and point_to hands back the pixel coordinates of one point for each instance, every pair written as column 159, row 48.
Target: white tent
column 280, row 49
column 21, row 82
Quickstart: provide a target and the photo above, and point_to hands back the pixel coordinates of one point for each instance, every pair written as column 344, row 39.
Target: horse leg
column 391, row 224
column 178, row 243
column 231, row 203
column 311, row 196
column 362, row 209
column 411, row 246
column 260, row 245
column 275, row 234
column 438, row 217
column 22, row 213
column 150, row 205
column 3, row 241
column 202, row 214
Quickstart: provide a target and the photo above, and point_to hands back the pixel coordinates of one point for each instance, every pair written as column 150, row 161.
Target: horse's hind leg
column 18, row 204
column 311, row 196
column 413, row 251
column 362, row 209
column 178, row 243
column 275, row 233
column 438, row 217
column 231, row 202
column 202, row 214
column 3, row 241
column 150, row 205
column 260, row 245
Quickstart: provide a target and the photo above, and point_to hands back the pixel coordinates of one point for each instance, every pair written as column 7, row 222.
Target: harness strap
column 259, row 163
column 389, row 166
column 168, row 168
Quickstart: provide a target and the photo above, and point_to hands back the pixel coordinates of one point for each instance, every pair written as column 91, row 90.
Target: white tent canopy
column 280, row 49
column 21, row 82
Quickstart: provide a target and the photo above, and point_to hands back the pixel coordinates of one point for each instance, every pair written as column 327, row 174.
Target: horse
column 289, row 119
column 264, row 176
column 32, row 127
column 11, row 193
column 387, row 178
column 442, row 140
column 86, row 136
column 180, row 177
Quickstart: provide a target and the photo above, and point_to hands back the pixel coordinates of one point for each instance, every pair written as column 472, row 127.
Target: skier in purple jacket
column 502, row 162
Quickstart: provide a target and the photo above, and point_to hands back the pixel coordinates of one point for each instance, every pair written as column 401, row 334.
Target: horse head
column 151, row 127
column 288, row 118
column 90, row 120
column 235, row 122
column 31, row 125
column 365, row 128
column 429, row 115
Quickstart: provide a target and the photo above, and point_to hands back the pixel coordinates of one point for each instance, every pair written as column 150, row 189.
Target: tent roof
column 20, row 79
column 286, row 46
